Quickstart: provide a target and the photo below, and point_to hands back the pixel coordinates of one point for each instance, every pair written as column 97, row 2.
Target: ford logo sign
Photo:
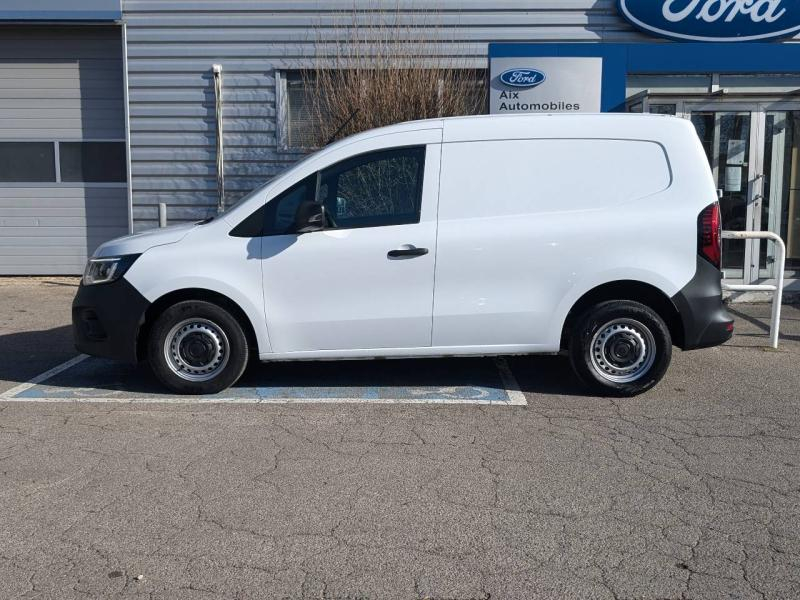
column 714, row 20
column 522, row 78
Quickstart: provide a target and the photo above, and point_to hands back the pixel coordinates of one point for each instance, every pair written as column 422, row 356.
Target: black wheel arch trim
column 173, row 297
column 112, row 320
column 632, row 290
column 696, row 316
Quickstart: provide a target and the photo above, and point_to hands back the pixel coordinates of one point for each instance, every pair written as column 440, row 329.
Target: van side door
column 366, row 280
column 526, row 226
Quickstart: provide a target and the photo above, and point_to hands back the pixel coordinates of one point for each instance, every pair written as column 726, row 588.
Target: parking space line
column 258, row 400
column 509, row 382
column 7, row 396
column 515, row 396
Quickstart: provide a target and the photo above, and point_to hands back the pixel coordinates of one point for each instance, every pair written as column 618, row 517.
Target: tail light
column 709, row 235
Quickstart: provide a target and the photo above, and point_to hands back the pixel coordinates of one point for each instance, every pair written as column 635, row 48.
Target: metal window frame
column 57, row 156
column 282, row 107
column 89, row 183
column 282, row 114
column 56, row 170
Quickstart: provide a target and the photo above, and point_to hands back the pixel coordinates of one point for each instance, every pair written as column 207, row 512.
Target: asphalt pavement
column 35, row 331
column 689, row 491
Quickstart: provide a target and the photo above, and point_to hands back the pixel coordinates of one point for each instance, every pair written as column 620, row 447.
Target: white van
column 593, row 235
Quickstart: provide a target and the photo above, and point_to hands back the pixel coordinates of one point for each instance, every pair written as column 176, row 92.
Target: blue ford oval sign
column 523, row 78
column 714, row 20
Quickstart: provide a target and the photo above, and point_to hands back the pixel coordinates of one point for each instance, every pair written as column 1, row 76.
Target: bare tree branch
column 384, row 69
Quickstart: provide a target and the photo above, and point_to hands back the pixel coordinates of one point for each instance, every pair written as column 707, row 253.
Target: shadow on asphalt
column 762, row 324
column 534, row 374
column 546, row 375
column 26, row 354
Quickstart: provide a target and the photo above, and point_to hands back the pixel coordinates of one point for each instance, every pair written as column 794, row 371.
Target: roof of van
column 559, row 125
column 613, row 126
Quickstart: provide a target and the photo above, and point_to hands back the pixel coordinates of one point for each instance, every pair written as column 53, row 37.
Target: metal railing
column 777, row 290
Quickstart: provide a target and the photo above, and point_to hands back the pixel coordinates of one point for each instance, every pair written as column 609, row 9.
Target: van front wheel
column 196, row 347
column 620, row 348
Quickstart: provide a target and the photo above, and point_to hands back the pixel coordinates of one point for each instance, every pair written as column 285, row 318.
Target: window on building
column 663, row 109
column 376, row 189
column 28, row 162
column 298, row 122
column 92, row 162
column 299, row 112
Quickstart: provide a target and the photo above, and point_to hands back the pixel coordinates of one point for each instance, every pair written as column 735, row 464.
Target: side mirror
column 310, row 216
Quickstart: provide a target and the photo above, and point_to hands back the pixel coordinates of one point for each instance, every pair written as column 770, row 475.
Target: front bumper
column 106, row 319
column 706, row 321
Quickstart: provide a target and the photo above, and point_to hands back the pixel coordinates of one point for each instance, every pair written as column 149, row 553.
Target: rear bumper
column 106, row 319
column 706, row 321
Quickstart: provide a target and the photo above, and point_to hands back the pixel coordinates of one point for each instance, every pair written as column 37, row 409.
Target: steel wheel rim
column 196, row 350
column 622, row 351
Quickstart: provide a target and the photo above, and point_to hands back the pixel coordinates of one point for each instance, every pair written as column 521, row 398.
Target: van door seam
column 436, row 235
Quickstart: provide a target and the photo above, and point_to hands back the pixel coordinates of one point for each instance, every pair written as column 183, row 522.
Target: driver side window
column 280, row 212
column 277, row 216
column 372, row 190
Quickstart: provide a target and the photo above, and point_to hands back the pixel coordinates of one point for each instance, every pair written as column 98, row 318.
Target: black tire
column 606, row 348
column 208, row 346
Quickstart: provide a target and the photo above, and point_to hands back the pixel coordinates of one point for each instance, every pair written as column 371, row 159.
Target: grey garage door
column 63, row 187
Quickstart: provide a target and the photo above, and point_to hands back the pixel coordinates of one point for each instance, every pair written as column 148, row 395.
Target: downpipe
column 217, row 72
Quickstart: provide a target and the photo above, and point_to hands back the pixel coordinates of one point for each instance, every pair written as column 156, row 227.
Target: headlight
column 106, row 270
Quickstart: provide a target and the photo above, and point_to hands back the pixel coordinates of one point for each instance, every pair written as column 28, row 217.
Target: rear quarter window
column 496, row 178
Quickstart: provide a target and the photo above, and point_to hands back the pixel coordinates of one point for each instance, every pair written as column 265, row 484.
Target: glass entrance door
column 780, row 208
column 754, row 153
column 728, row 140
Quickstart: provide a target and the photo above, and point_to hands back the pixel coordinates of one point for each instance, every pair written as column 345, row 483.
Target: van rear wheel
column 196, row 347
column 620, row 348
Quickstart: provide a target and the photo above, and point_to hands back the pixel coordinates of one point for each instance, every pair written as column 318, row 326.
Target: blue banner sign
column 714, row 20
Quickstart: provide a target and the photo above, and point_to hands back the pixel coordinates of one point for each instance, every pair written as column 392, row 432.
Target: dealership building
column 109, row 108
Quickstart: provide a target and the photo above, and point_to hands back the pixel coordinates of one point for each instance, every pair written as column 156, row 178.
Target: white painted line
column 515, row 395
column 199, row 400
column 7, row 396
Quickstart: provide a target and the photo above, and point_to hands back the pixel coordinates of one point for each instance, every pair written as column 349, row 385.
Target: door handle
column 407, row 251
